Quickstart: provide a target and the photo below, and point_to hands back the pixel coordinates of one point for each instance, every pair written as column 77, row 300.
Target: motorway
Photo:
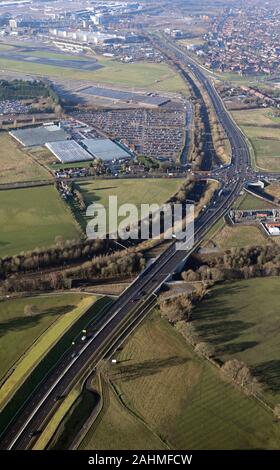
column 138, row 298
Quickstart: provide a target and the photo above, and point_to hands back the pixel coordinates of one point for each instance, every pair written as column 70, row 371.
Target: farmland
column 16, row 164
column 33, row 218
column 237, row 236
column 248, row 201
column 145, row 191
column 117, row 428
column 274, row 190
column 134, row 191
column 168, row 393
column 261, row 126
column 241, row 320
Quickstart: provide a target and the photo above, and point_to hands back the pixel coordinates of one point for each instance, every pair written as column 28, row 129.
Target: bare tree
column 205, row 349
column 30, row 310
column 176, row 308
column 187, row 329
column 240, row 373
column 276, row 411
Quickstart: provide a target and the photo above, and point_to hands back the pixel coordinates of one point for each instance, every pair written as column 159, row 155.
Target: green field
column 142, row 74
column 178, row 398
column 16, row 165
column 263, row 130
column 5, row 47
column 237, row 236
column 242, row 320
column 33, row 218
column 248, row 201
column 228, row 236
column 236, row 79
column 55, row 55
column 273, row 189
column 133, row 191
column 198, row 41
column 117, row 428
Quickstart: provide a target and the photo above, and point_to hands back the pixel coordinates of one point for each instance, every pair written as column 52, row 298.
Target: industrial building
column 38, row 136
column 273, row 228
column 105, row 150
column 268, row 219
column 151, row 100
column 68, row 151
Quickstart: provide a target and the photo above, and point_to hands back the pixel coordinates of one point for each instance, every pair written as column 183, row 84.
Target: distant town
column 243, row 40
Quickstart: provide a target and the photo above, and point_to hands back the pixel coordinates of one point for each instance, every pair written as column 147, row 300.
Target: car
column 35, row 433
column 83, row 338
column 59, row 397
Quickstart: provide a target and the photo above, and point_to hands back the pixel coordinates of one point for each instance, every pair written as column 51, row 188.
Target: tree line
column 178, row 310
column 237, row 263
column 120, row 264
column 197, row 151
column 26, row 89
column 61, row 253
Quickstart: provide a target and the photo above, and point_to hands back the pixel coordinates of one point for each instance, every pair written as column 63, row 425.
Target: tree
column 187, row 329
column 276, row 411
column 205, row 349
column 176, row 308
column 241, row 374
column 190, row 276
column 232, row 367
column 30, row 310
column 200, row 292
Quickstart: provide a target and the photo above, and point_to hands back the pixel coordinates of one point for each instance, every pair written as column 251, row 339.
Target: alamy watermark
column 143, row 222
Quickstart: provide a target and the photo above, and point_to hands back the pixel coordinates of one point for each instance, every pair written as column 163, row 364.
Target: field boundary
column 135, row 415
column 96, row 414
column 25, row 184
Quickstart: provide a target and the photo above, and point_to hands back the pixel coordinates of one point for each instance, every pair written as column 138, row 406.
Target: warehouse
column 68, row 151
column 39, row 136
column 273, row 228
column 105, row 150
column 127, row 96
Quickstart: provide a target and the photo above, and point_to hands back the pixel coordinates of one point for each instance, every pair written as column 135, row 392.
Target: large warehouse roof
column 68, row 151
column 111, row 94
column 38, row 136
column 105, row 149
